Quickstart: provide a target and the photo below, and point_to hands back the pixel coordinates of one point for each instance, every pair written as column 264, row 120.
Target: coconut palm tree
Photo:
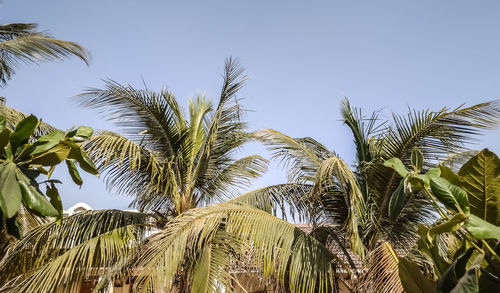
column 348, row 208
column 176, row 167
column 21, row 43
column 352, row 204
column 191, row 231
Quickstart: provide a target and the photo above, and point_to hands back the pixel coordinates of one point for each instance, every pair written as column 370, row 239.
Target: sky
column 302, row 57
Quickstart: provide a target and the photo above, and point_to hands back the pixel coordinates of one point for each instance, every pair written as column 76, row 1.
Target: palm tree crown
column 171, row 162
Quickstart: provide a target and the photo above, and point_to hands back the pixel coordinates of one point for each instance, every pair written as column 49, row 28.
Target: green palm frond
column 289, row 254
column 128, row 167
column 155, row 119
column 56, row 258
column 438, row 134
column 334, row 173
column 284, row 200
column 302, row 157
column 225, row 128
column 20, row 42
column 362, row 128
column 382, row 271
column 229, row 180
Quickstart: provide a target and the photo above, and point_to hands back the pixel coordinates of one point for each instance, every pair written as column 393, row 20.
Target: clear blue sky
column 303, row 57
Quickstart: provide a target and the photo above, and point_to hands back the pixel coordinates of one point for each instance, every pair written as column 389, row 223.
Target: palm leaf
column 282, row 200
column 302, row 157
column 382, row 271
column 289, row 254
column 56, row 257
column 20, row 42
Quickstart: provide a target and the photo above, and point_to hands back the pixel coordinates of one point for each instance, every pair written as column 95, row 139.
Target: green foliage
column 480, row 178
column 471, row 198
column 412, row 279
column 22, row 160
column 452, row 196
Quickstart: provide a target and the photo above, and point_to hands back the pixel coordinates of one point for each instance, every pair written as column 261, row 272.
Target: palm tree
column 351, row 206
column 175, row 167
column 21, row 42
column 348, row 208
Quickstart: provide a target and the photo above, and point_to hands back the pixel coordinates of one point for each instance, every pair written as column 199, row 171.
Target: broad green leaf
column 449, row 175
column 73, row 171
column 417, row 182
column 53, row 136
column 81, row 157
column 417, row 160
column 24, row 130
column 454, row 272
column 397, row 165
column 420, row 181
column 398, row 201
column 33, row 199
column 53, row 156
column 450, row 195
column 10, row 193
column 449, row 226
column 47, row 142
column 480, row 177
column 80, row 134
column 55, row 200
column 412, row 279
column 482, row 229
column 4, row 140
column 428, row 246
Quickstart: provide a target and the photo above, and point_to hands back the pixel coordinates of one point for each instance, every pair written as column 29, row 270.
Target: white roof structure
column 77, row 208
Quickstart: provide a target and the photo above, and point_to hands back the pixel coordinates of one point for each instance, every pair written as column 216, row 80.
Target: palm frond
column 289, row 253
column 20, row 42
column 154, row 119
column 128, row 167
column 225, row 128
column 436, row 134
column 302, row 157
column 229, row 180
column 362, row 128
column 283, row 200
column 334, row 173
column 382, row 271
column 56, row 258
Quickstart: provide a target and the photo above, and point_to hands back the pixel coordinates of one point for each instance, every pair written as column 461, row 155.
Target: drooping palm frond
column 56, row 258
column 382, row 271
column 334, row 173
column 302, row 157
column 21, row 42
column 289, row 254
column 282, row 200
